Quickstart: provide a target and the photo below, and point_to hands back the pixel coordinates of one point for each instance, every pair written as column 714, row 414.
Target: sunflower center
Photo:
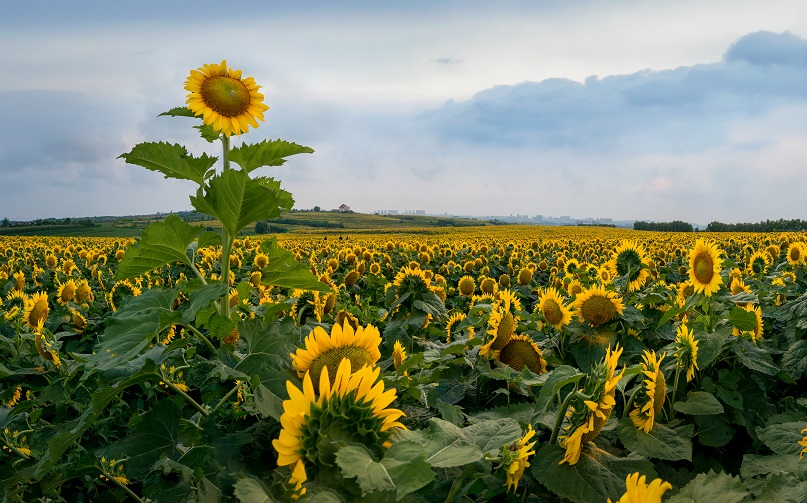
column 359, row 357
column 552, row 312
column 598, row 310
column 68, row 292
column 703, row 268
column 38, row 313
column 518, row 354
column 225, row 95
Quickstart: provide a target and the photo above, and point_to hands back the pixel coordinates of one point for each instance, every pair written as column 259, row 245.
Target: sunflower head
column 795, row 254
column 705, row 265
column 224, row 100
column 554, row 311
column 502, row 325
column 596, row 306
column 637, row 491
column 521, row 352
column 352, row 410
column 629, row 260
column 359, row 346
column 36, row 310
column 686, row 351
column 515, row 458
column 758, row 263
column 652, row 395
column 398, row 354
column 466, row 286
column 412, row 280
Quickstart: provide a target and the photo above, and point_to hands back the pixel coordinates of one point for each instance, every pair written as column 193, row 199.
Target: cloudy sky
column 630, row 109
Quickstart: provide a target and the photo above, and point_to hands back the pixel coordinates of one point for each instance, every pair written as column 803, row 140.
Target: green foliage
column 173, row 161
column 266, row 153
column 162, row 243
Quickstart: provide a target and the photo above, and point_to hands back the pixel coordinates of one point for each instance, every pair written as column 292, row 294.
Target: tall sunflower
column 353, row 410
column 597, row 306
column 795, row 253
column 359, row 345
column 652, row 393
column 554, row 311
column 225, row 101
column 637, row 491
column 705, row 265
column 686, row 351
column 587, row 417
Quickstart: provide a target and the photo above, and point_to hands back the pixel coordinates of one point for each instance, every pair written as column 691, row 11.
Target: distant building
column 386, row 212
column 343, row 208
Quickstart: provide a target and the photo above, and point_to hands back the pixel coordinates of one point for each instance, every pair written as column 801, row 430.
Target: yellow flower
column 522, row 352
column 598, row 306
column 629, row 257
column 654, row 389
column 359, row 345
column 36, row 310
column 705, row 265
column 225, row 101
column 515, row 456
column 398, row 354
column 637, row 491
column 686, row 351
column 551, row 306
column 756, row 332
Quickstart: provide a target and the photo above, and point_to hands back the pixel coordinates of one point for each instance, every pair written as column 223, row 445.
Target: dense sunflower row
column 670, row 358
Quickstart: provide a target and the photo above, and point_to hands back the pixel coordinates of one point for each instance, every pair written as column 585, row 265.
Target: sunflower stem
column 187, row 397
column 225, row 156
column 675, row 391
column 200, row 335
column 628, row 405
column 121, row 485
column 561, row 416
column 225, row 398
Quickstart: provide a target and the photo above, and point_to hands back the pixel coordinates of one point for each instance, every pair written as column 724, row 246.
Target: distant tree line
column 78, row 222
column 780, row 225
column 674, row 226
column 581, row 224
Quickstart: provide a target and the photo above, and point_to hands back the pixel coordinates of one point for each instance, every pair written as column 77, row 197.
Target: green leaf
column 743, row 320
column 207, row 132
column 754, row 464
column 250, row 490
column 267, row 355
column 714, row 431
column 711, row 487
column 660, row 443
column 284, row 271
column 794, row 361
column 173, row 161
column 267, row 403
column 783, row 438
column 161, row 243
column 402, row 469
column 179, row 112
column 555, row 381
column 266, row 153
column 444, row 444
column 699, row 403
column 133, row 327
column 754, row 357
column 237, row 200
column 596, row 477
column 710, row 345
column 201, row 298
column 492, row 435
column 209, row 238
column 155, row 436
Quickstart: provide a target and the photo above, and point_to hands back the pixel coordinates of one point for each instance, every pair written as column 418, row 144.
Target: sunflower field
column 507, row 363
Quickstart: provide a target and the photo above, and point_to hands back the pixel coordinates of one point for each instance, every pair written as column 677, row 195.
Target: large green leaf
column 711, row 487
column 555, row 381
column 284, row 271
column 250, row 490
column 783, row 438
column 754, row 464
column 173, row 161
column 155, row 437
column 742, row 320
column 699, row 403
column 403, row 468
column 596, row 477
column 710, row 345
column 161, row 243
column 754, row 357
column 444, row 444
column 659, row 443
column 237, row 200
column 267, row 355
column 133, row 327
column 492, row 435
column 266, row 153
column 794, row 361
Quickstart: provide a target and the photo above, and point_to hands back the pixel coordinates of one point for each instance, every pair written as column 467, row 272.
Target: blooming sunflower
column 637, row 491
column 756, row 333
column 758, row 263
column 520, row 351
column 554, row 311
column 360, row 346
column 66, row 292
column 795, row 254
column 453, row 320
column 225, row 101
column 466, row 286
column 587, row 417
column 36, row 310
column 705, row 265
column 598, row 306
column 84, row 293
column 353, row 409
column 629, row 258
column 514, row 458
column 653, row 392
column 502, row 325
column 686, row 351
column 411, row 280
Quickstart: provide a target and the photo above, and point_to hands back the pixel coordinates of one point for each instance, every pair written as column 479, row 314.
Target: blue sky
column 691, row 110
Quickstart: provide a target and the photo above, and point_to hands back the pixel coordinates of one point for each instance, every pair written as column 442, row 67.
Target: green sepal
column 173, row 161
column 266, row 153
column 161, row 243
column 237, row 200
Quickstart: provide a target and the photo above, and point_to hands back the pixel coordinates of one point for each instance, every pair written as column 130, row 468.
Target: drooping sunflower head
column 354, row 410
column 36, row 310
column 525, row 276
column 520, row 352
column 637, row 491
column 653, row 393
column 596, row 306
column 705, row 265
column 515, row 458
column 359, row 346
column 123, row 289
column 84, row 293
column 587, row 417
column 227, row 102
column 501, row 326
column 553, row 309
column 686, row 351
column 629, row 258
column 412, row 280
